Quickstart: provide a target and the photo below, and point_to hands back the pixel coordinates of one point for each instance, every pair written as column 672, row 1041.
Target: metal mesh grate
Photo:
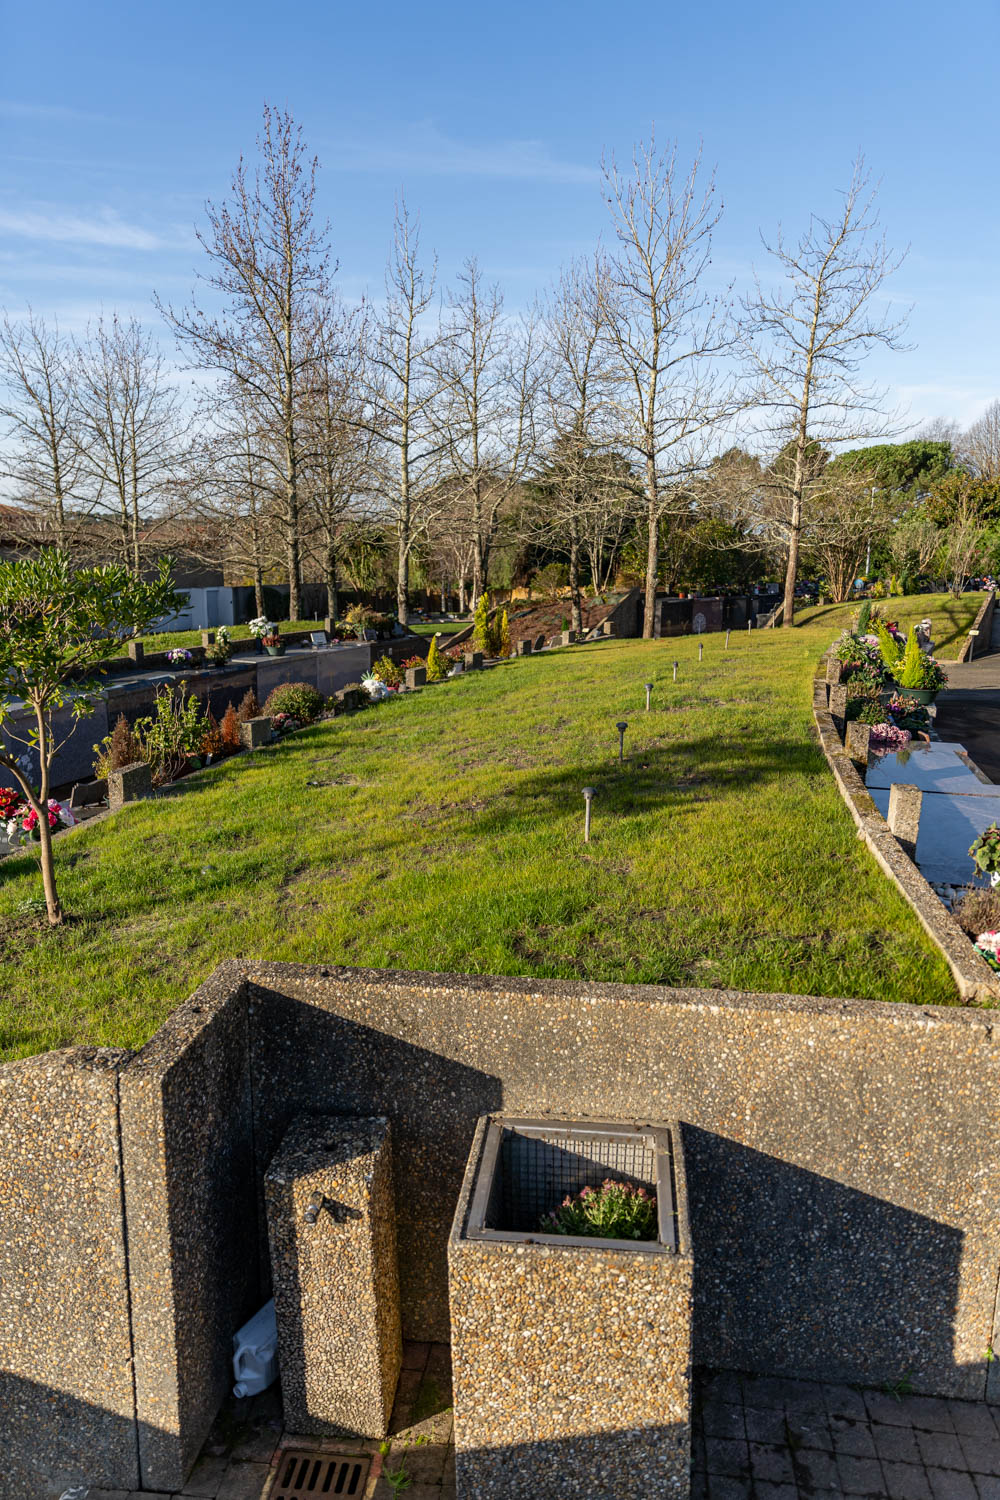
column 536, row 1172
column 303, row 1475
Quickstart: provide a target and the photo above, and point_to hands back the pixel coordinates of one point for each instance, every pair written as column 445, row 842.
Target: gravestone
column 130, row 784
column 473, row 661
column 524, row 648
column 416, row 677
column 904, row 816
column 208, row 637
column 568, row 638
column 136, row 651
column 838, row 708
column 318, row 639
column 255, row 732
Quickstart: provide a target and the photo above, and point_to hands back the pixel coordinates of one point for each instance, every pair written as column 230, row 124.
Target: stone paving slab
column 753, row 1438
column 949, row 822
column 938, row 767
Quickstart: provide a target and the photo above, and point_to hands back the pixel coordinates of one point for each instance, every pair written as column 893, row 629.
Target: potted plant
column 912, row 668
column 178, row 657
column 558, row 1223
column 986, row 853
column 21, row 820
column 265, row 631
column 218, row 654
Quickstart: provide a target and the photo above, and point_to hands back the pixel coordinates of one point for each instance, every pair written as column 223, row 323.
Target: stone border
column 981, row 625
column 975, row 980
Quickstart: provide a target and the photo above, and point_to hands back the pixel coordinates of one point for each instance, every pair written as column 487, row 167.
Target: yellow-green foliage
column 437, row 663
column 481, row 627
column 889, row 647
column 911, row 674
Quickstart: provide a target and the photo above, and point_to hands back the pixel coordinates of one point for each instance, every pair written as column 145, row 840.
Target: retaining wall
column 977, row 642
column 326, row 670
column 842, row 1162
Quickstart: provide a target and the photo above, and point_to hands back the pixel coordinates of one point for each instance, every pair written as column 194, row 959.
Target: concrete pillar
column 524, row 648
column 328, row 624
column 416, row 677
column 568, row 638
column 904, row 816
column 208, row 637
column 473, row 661
column 332, row 1231
column 858, row 736
column 129, row 784
column 255, row 732
column 838, row 707
column 834, row 670
column 609, row 628
column 136, row 651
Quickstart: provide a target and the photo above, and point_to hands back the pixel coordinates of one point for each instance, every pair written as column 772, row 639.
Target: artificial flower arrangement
column 222, row 650
column 178, row 656
column 21, row 820
column 988, row 944
column 888, row 736
column 374, row 687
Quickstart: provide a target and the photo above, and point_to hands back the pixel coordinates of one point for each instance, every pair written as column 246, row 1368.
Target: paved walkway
column 969, row 709
column 753, row 1438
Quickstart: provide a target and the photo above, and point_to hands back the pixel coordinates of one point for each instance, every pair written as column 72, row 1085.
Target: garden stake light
column 727, row 640
column 621, row 727
column 649, row 689
column 588, row 795
column 675, row 671
column 701, row 649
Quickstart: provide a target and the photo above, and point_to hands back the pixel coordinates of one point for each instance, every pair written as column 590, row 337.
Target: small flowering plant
column 988, row 944
column 178, row 656
column 614, row 1211
column 264, row 630
column 889, row 736
column 22, row 820
column 986, row 853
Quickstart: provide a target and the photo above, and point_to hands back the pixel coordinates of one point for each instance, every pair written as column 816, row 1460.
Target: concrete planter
column 570, row 1356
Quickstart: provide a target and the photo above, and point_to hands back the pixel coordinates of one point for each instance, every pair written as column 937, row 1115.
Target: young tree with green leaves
column 55, row 627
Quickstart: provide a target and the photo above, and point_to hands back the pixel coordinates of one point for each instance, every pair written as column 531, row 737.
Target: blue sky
column 117, row 122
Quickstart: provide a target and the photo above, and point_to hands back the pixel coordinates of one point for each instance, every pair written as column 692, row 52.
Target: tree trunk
column 331, row 583
column 792, row 570
column 41, row 807
column 576, row 607
column 258, row 591
column 403, row 573
column 652, row 564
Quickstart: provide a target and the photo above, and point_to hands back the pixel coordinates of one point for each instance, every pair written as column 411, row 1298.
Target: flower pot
column 275, row 650
column 921, row 695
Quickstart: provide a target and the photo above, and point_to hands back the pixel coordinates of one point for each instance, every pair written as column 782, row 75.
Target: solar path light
column 727, row 640
column 649, row 689
column 621, row 727
column 588, row 797
column 676, row 665
column 701, row 649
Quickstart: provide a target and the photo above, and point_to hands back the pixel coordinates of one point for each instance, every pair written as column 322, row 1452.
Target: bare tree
column 41, row 417
column 846, row 517
column 340, row 450
column 270, row 263
column 130, row 432
column 404, row 389
column 804, row 344
column 663, row 328
column 582, row 486
column 489, row 376
column 914, row 542
column 964, row 539
column 980, row 446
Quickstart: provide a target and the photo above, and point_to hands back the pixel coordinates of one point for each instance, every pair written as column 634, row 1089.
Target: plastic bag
column 255, row 1353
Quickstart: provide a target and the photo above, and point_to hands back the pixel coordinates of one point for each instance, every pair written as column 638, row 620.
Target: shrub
column 614, row 1211
column 978, row 910
column 230, row 731
column 211, row 741
column 359, row 619
column 437, row 663
column 249, row 707
column 296, row 699
column 386, row 670
column 171, row 735
column 119, row 748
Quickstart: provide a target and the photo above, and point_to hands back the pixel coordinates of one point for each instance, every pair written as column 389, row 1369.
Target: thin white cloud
column 424, row 150
column 105, row 228
column 17, row 109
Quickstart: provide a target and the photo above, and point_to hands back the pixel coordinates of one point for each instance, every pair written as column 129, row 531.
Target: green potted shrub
column 913, row 670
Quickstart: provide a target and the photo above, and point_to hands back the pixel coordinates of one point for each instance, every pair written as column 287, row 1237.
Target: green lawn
column 443, row 830
column 950, row 618
column 166, row 640
column 439, row 627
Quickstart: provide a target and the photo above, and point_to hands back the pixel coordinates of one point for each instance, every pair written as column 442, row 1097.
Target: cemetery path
column 969, row 708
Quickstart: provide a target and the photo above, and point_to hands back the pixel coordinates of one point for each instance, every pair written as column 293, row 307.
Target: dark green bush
column 296, row 699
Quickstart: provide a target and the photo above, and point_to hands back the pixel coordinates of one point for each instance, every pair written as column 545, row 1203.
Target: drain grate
column 302, row 1475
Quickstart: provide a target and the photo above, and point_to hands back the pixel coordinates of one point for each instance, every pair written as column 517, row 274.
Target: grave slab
column 949, row 822
column 932, row 768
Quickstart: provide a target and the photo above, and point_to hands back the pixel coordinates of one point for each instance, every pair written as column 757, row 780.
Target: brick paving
column 753, row 1438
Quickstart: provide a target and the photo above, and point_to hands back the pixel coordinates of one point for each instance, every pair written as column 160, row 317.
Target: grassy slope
column 443, row 831
column 950, row 618
column 167, row 640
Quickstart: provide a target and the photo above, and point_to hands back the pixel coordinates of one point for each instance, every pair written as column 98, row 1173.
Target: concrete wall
column 66, row 1400
column 842, row 1162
